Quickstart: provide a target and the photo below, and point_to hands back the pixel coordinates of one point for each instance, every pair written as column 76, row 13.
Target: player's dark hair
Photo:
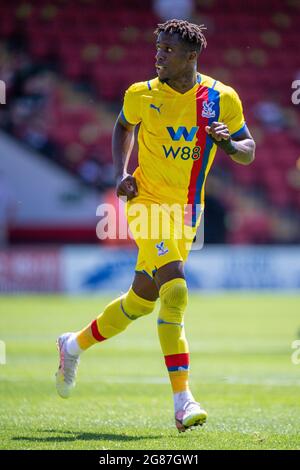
column 191, row 34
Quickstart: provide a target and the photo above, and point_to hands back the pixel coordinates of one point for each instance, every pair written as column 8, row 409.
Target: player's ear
column 192, row 56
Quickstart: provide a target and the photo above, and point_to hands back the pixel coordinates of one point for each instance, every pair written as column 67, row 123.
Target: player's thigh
column 169, row 271
column 144, row 286
column 174, row 268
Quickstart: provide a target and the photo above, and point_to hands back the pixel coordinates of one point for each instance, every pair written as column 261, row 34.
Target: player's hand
column 126, row 186
column 218, row 131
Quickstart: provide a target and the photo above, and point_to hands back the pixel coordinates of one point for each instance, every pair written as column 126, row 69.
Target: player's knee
column 118, row 315
column 174, row 298
column 134, row 306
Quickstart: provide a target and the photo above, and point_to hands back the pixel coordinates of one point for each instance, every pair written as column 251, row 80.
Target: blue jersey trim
column 237, row 133
column 149, row 86
column 213, row 95
column 124, row 118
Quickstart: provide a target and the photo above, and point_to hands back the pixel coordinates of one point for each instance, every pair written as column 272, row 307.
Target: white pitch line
column 223, row 380
column 273, row 382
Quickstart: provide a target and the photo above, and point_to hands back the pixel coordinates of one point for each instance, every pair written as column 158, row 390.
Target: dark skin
column 176, row 65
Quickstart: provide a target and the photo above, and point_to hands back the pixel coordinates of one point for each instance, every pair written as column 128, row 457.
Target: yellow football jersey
column 175, row 152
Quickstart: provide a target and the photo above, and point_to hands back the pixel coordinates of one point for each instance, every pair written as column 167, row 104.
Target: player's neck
column 184, row 83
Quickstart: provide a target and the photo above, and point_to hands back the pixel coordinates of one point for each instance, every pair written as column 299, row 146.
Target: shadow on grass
column 69, row 436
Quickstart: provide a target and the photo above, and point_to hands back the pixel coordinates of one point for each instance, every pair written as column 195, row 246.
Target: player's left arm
column 240, row 148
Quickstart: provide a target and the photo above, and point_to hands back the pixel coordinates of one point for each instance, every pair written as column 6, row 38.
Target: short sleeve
column 233, row 112
column 131, row 111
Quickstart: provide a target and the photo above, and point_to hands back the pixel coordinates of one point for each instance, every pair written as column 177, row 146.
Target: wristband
column 226, row 145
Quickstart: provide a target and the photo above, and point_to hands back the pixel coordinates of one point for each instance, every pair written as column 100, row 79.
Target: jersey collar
column 165, row 86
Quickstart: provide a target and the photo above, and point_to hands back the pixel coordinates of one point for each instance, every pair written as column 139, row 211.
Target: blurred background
column 66, row 65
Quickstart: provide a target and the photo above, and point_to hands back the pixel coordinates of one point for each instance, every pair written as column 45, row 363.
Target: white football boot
column 189, row 416
column 66, row 374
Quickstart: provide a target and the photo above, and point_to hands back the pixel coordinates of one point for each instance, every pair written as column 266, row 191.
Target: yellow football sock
column 174, row 296
column 179, row 380
column 114, row 319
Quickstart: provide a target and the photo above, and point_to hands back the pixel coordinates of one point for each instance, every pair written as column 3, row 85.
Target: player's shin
column 113, row 320
column 173, row 295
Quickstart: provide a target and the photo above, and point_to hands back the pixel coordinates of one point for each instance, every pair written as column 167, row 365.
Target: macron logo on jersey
column 183, row 132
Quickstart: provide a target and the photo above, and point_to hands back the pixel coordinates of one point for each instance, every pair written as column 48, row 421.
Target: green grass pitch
column 241, row 372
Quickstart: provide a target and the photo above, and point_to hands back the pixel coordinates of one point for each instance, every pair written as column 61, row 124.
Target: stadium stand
column 67, row 64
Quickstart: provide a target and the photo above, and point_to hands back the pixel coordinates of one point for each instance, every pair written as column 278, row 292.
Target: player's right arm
column 122, row 144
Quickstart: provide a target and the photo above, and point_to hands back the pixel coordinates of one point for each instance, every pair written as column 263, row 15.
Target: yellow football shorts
column 160, row 233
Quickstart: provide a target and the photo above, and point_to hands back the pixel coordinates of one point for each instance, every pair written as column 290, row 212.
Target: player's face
column 172, row 58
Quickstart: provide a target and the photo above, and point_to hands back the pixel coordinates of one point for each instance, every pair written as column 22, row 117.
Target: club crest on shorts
column 207, row 110
column 161, row 249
